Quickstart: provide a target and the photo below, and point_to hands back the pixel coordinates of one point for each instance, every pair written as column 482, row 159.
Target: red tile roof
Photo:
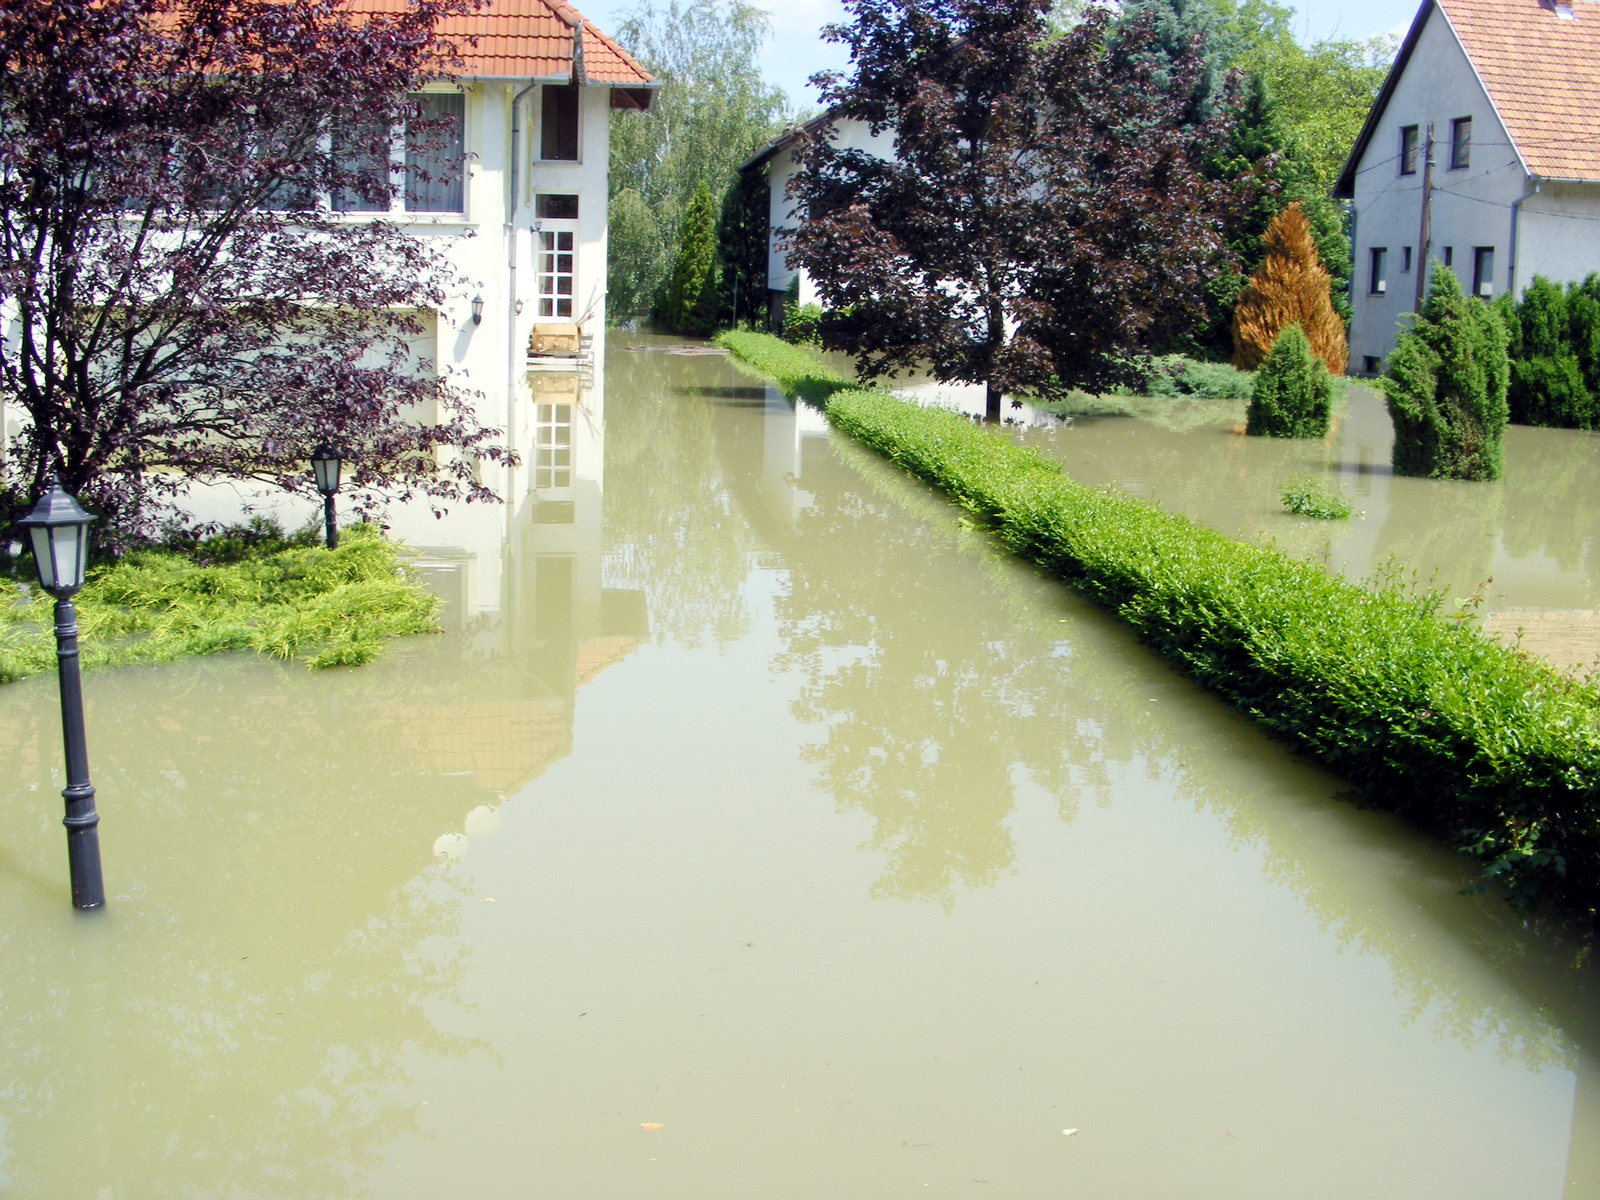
column 530, row 39
column 1541, row 68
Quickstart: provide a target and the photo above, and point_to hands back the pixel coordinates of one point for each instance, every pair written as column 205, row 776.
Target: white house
column 778, row 162
column 1511, row 91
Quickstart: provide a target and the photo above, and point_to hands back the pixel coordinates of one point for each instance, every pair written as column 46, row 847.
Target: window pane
column 1461, row 142
column 559, row 123
column 558, row 208
column 435, row 147
column 564, row 241
column 1408, row 150
column 362, row 150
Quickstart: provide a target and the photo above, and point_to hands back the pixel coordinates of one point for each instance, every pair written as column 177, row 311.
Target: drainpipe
column 1516, row 206
column 511, row 280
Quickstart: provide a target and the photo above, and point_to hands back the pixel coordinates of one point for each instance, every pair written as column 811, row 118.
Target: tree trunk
column 991, row 402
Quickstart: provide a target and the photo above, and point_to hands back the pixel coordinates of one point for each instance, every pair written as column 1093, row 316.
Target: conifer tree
column 1446, row 386
column 691, row 288
column 1289, row 288
column 1294, row 392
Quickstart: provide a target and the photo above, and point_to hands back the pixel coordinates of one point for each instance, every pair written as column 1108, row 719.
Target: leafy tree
column 954, row 256
column 689, row 303
column 1289, row 288
column 713, row 111
column 1446, row 386
column 184, row 309
column 1294, row 392
column 743, row 228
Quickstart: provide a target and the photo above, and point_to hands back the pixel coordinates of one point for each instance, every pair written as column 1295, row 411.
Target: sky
column 796, row 51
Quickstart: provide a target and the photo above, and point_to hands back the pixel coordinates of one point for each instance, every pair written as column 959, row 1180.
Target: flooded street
column 758, row 831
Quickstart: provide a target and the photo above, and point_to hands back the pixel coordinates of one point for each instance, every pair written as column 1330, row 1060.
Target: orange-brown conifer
column 1289, row 288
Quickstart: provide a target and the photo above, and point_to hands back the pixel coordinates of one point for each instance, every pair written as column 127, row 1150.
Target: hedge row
column 1494, row 750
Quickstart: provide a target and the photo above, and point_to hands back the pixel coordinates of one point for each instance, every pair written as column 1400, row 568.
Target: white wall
column 1558, row 234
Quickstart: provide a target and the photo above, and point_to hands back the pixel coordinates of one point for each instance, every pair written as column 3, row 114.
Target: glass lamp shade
column 477, row 310
column 58, row 529
column 325, row 462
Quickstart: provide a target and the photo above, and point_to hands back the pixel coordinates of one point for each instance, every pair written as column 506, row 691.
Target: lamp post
column 325, row 461
column 59, row 530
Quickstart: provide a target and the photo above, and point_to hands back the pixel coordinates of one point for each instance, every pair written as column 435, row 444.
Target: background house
column 1510, row 89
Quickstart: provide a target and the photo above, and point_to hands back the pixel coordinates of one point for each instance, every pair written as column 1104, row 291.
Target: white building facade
column 1509, row 89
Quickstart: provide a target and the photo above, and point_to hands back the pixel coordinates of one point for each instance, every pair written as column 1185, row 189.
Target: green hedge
column 1496, row 751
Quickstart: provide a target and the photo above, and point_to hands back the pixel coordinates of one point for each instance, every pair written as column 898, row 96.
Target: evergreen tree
column 689, row 302
column 1294, row 392
column 1554, row 344
column 1289, row 288
column 742, row 229
column 1446, row 386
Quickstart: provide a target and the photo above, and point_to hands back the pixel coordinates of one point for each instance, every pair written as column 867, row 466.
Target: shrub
column 1549, row 390
column 1553, row 338
column 1492, row 748
column 1294, row 392
column 802, row 323
column 1446, row 386
column 1304, row 498
column 1583, row 325
column 1174, row 375
column 1289, row 288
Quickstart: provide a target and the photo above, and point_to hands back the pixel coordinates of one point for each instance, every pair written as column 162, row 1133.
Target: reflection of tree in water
column 237, row 1022
column 669, row 522
column 897, row 647
column 1552, row 490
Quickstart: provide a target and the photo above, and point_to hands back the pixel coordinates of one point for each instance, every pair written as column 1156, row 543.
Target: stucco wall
column 1558, row 234
column 1471, row 206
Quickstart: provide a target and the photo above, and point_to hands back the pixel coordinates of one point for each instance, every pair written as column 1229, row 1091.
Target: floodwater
column 757, row 831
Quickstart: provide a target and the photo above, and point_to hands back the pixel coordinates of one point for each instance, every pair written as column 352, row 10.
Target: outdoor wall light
column 58, row 530
column 325, row 463
column 477, row 310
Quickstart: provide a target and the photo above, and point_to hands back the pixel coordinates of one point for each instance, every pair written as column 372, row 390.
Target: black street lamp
column 325, row 460
column 59, row 530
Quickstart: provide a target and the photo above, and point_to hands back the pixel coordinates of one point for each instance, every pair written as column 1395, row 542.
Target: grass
column 1305, row 498
column 1494, row 750
column 241, row 590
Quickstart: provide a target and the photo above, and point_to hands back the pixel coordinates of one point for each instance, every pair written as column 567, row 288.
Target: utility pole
column 1421, row 264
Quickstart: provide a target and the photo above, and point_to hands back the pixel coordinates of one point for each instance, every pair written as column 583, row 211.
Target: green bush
column 1304, row 498
column 1549, row 390
column 245, row 589
column 1446, row 386
column 1293, row 393
column 1497, row 751
column 1173, row 375
column 1553, row 338
column 802, row 323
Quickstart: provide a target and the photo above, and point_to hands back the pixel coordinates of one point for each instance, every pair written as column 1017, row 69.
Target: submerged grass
column 1494, row 750
column 327, row 607
column 1304, row 498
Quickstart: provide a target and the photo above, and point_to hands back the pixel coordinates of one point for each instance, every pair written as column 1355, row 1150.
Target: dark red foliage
column 186, row 304
column 1045, row 223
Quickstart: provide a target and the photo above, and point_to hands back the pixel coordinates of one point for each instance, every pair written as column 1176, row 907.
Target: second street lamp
column 325, row 464
column 58, row 529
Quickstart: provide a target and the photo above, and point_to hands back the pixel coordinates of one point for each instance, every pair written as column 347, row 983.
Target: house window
column 362, row 152
column 1460, row 143
column 1449, row 256
column 1378, row 268
column 1408, row 150
column 552, row 462
column 558, row 139
column 1405, row 260
column 555, row 274
column 557, row 208
column 1483, row 272
column 1371, row 364
column 435, row 148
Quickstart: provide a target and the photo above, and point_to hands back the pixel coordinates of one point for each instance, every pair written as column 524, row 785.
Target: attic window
column 558, row 140
column 1460, row 143
column 1408, row 150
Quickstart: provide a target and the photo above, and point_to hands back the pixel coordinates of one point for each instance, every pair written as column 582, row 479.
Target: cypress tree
column 1294, row 392
column 1446, row 386
column 1289, row 288
column 1548, row 379
column 742, row 229
column 690, row 296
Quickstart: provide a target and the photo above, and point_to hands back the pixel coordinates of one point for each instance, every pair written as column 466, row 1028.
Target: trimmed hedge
column 1492, row 749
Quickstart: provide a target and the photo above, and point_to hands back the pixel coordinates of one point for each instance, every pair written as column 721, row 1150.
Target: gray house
column 1510, row 92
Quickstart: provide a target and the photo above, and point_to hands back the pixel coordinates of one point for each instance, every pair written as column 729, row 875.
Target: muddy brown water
column 758, row 830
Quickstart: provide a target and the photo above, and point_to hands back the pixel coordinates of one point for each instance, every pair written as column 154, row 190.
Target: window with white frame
column 555, row 273
column 429, row 154
column 552, row 450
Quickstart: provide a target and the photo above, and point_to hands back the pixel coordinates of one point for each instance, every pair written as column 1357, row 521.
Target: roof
column 531, row 39
column 1541, row 68
column 786, row 139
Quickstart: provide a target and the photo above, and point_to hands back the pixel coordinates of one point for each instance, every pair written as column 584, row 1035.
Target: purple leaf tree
column 199, row 277
column 1045, row 221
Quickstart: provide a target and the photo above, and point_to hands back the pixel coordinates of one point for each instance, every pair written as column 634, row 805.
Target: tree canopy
column 187, row 305
column 1045, row 221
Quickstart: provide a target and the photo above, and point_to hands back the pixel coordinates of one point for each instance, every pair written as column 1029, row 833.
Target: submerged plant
column 1304, row 498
